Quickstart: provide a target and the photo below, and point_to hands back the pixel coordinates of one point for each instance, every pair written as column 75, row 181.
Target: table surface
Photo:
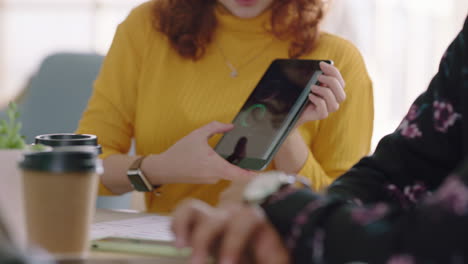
column 103, row 215
column 100, row 257
column 122, row 261
column 11, row 191
column 13, row 218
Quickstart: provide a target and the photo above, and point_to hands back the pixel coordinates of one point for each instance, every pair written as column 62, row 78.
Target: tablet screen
column 269, row 110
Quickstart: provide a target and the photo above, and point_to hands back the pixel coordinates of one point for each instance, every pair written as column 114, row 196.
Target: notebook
column 149, row 235
column 152, row 227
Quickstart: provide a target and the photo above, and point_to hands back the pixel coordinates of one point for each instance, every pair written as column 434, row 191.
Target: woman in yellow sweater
column 169, row 73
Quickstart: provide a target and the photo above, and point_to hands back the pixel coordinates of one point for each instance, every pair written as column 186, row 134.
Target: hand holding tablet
column 271, row 112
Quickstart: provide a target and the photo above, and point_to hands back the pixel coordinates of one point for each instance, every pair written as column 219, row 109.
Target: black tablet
column 269, row 113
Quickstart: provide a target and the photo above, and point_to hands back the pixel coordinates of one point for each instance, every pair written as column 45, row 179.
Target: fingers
column 334, row 86
column 214, row 128
column 205, row 235
column 331, row 70
column 332, row 79
column 229, row 230
column 185, row 216
column 240, row 230
column 326, row 98
column 320, row 105
column 269, row 247
column 327, row 95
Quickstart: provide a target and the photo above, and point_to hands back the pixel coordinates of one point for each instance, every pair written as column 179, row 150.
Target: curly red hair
column 190, row 25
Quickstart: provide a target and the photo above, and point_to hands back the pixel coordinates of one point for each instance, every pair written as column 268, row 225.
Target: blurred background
column 402, row 41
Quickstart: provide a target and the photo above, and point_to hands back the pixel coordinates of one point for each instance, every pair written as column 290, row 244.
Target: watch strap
column 137, row 163
column 136, row 166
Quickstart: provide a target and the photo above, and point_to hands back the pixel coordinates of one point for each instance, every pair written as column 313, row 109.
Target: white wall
column 402, row 41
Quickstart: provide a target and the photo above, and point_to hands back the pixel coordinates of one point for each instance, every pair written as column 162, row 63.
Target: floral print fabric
column 405, row 204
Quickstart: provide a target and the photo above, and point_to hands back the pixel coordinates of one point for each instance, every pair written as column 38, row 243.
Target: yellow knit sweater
column 146, row 91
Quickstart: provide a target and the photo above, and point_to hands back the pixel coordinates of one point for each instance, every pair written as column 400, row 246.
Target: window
column 402, row 42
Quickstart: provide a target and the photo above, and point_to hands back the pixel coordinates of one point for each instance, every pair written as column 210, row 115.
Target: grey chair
column 55, row 99
column 58, row 93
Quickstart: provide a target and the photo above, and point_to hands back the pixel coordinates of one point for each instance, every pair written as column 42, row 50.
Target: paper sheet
column 148, row 227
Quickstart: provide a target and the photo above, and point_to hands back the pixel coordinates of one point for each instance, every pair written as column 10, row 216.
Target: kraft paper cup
column 59, row 194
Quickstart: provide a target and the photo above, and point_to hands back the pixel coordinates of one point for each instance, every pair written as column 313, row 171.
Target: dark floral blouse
column 408, row 202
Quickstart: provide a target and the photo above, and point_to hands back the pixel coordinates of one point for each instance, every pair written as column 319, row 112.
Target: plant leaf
column 10, row 136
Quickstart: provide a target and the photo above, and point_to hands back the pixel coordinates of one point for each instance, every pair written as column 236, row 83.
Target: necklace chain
column 235, row 70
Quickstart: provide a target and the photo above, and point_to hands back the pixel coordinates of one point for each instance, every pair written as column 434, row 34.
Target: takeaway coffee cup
column 60, row 189
column 68, row 139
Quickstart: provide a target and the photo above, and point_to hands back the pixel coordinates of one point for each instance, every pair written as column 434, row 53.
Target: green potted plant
column 12, row 147
column 10, row 137
column 10, row 132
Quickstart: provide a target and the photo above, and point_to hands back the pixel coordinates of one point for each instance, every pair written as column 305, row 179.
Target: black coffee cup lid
column 68, row 139
column 63, row 160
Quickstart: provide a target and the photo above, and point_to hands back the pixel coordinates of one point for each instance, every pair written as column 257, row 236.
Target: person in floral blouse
column 407, row 203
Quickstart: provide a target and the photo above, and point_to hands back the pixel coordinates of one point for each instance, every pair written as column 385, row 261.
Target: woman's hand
column 193, row 160
column 235, row 234
column 325, row 98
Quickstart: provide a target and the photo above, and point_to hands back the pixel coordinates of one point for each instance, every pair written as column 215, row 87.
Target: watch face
column 137, row 182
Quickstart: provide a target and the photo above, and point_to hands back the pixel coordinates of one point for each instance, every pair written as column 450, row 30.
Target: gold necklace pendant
column 235, row 71
column 234, row 74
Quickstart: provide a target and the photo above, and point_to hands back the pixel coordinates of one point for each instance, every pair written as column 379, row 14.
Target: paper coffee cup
column 59, row 194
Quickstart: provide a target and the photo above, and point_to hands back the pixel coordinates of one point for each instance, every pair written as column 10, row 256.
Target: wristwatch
column 265, row 185
column 137, row 177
